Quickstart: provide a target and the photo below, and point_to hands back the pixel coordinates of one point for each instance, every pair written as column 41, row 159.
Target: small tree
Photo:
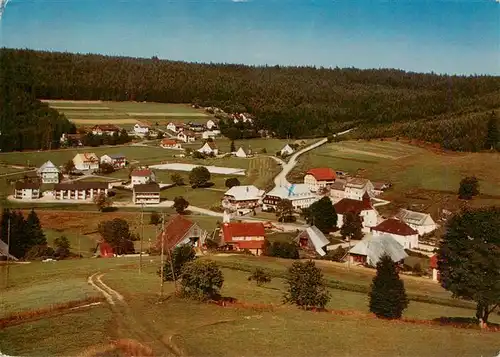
column 285, row 250
column 69, row 167
column 387, row 296
column 177, row 179
column 62, row 247
column 199, row 176
column 35, row 232
column 160, row 135
column 180, row 204
column 102, row 201
column 231, row 182
column 492, row 133
column 352, row 226
column 181, row 255
column 284, row 211
column 260, row 276
column 116, row 232
column 201, row 280
column 322, row 215
column 155, row 218
column 232, row 147
column 105, row 168
column 306, row 287
column 469, row 187
column 198, row 155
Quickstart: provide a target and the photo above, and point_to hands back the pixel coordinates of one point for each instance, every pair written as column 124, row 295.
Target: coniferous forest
column 454, row 111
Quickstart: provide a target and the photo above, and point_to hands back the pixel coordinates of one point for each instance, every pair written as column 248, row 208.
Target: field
column 259, row 325
column 428, row 176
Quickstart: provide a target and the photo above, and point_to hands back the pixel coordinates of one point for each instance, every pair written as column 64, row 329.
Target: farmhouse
column 241, row 153
column 286, row 150
column 364, row 208
column 400, row 231
column 49, row 173
column 118, row 161
column 210, row 134
column 170, row 144
column 141, row 129
column 148, row 193
column 356, row 187
column 319, row 177
column 244, row 236
column 313, row 239
column 141, row 177
column 186, row 136
column 421, row 222
column 369, row 251
column 87, row 161
column 105, row 129
column 180, row 230
column 299, row 194
column 79, row 190
column 173, row 127
column 27, row 190
column 242, row 197
column 71, row 139
column 209, row 148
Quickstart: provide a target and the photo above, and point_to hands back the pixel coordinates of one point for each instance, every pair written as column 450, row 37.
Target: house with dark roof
column 118, row 161
column 27, row 190
column 356, row 187
column 319, row 177
column 363, row 207
column 399, row 230
column 148, row 193
column 142, row 176
column 186, row 136
column 244, row 236
column 180, row 230
column 80, row 190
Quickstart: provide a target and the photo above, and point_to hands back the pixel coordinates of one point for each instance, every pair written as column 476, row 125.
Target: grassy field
column 203, row 329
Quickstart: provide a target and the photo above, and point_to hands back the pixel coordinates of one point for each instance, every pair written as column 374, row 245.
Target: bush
column 336, row 255
column 306, row 287
column 155, row 218
column 198, row 155
column 231, row 182
column 260, row 276
column 201, row 280
column 284, row 250
column 39, row 252
column 181, row 255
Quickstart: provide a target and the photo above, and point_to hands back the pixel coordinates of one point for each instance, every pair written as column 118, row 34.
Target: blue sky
column 444, row 36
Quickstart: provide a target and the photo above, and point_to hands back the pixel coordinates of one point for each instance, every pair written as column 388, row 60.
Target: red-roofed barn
column 179, row 230
column 319, row 177
column 244, row 235
column 399, row 230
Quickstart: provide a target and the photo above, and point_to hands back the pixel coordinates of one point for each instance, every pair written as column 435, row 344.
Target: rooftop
column 395, row 226
column 349, row 205
column 27, row 185
column 81, row 185
column 412, row 217
column 357, row 182
column 151, row 187
column 242, row 229
column 175, row 230
column 141, row 173
column 322, row 174
column 244, row 193
column 294, row 191
column 377, row 246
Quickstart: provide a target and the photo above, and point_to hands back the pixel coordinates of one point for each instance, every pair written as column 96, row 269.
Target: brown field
column 104, row 121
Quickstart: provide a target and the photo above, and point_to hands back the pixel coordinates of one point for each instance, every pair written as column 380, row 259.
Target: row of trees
column 289, row 101
column 24, row 233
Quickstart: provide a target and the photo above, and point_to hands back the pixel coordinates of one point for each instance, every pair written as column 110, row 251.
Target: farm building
column 313, row 239
column 80, row 190
column 148, row 193
column 399, row 230
column 105, row 129
column 49, row 173
column 364, row 208
column 421, row 222
column 27, row 190
column 141, row 129
column 244, row 235
column 286, row 150
column 241, row 153
column 209, row 148
column 118, row 161
column 87, row 161
column 356, row 187
column 299, row 194
column 242, row 198
column 369, row 251
column 170, row 144
column 319, row 177
column 141, row 177
column 180, row 230
column 186, row 136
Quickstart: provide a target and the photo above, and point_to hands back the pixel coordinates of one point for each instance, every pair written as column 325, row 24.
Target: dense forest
column 289, row 101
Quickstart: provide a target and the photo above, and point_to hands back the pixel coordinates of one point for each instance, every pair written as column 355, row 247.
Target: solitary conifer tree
column 387, row 296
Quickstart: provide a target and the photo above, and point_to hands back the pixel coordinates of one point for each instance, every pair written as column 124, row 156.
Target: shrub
column 181, row 255
column 337, row 254
column 155, row 218
column 306, row 287
column 39, row 252
column 285, row 250
column 260, row 276
column 201, row 280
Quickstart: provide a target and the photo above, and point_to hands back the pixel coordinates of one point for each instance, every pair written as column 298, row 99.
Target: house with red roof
column 244, row 235
column 319, row 177
column 170, row 144
column 177, row 231
column 364, row 208
column 399, row 230
column 142, row 176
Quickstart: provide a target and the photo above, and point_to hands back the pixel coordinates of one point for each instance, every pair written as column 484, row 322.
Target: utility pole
column 162, row 255
column 349, row 254
column 142, row 236
column 8, row 256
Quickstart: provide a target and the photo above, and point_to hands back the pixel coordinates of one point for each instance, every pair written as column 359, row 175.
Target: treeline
column 25, row 122
column 22, row 233
column 289, row 101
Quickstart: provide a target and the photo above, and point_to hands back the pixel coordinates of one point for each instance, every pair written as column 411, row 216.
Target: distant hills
column 452, row 111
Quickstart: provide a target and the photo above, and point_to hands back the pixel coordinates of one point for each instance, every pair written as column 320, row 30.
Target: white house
column 210, row 124
column 210, row 134
column 49, row 173
column 356, row 187
column 337, row 190
column 319, row 177
column 27, row 190
column 399, row 230
column 116, row 160
column 242, row 198
column 241, row 153
column 369, row 251
column 79, row 190
column 141, row 129
column 87, row 161
column 287, row 150
column 170, row 144
column 363, row 207
column 148, row 193
column 186, row 136
column 141, row 177
column 421, row 222
column 173, row 127
column 209, row 148
column 105, row 129
column 299, row 194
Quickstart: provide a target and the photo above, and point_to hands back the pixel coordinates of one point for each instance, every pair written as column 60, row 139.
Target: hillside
column 291, row 101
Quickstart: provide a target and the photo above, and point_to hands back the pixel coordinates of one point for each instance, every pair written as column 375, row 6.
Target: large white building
column 299, row 194
column 355, row 188
column 421, row 222
column 242, row 198
column 49, row 173
column 319, row 177
column 142, row 177
column 79, row 190
column 27, row 190
column 141, row 129
column 87, row 161
column 146, row 193
column 363, row 207
column 399, row 230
